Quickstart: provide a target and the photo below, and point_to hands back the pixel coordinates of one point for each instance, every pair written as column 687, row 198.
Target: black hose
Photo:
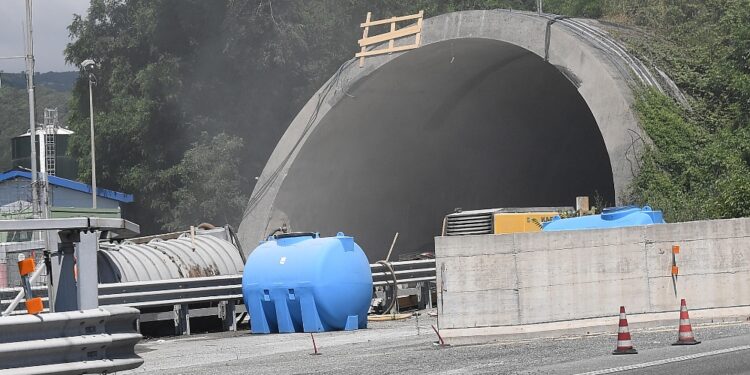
column 241, row 318
column 236, row 241
column 394, row 288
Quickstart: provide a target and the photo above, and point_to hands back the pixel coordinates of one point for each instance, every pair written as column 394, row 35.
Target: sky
column 50, row 21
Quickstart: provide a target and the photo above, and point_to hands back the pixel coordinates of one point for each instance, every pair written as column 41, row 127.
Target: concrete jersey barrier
column 535, row 279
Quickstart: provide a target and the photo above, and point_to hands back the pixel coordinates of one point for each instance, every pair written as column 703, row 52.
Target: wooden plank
column 390, row 35
column 391, row 45
column 386, row 50
column 364, row 36
column 392, row 19
column 418, row 38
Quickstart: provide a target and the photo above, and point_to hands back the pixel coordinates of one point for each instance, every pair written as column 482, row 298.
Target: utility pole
column 88, row 66
column 93, row 147
column 539, row 7
column 35, row 201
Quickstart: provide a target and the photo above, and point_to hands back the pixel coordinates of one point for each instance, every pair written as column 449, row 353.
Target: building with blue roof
column 67, row 198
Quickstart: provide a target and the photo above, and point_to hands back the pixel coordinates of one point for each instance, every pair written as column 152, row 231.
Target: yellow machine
column 517, row 222
column 499, row 220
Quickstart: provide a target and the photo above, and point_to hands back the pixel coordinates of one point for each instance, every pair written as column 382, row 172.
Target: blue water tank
column 299, row 282
column 614, row 217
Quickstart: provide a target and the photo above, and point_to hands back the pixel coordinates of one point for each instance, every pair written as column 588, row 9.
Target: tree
column 206, row 184
column 144, row 49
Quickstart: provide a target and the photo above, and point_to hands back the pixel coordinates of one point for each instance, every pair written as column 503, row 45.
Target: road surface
column 407, row 347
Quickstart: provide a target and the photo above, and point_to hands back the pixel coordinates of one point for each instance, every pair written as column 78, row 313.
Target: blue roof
column 70, row 184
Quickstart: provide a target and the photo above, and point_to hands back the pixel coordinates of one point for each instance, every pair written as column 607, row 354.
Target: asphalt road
column 397, row 348
column 730, row 363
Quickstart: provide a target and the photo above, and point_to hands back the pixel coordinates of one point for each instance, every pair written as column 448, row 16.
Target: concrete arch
column 569, row 67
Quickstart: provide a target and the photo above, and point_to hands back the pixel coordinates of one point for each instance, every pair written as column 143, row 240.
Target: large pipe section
column 198, row 255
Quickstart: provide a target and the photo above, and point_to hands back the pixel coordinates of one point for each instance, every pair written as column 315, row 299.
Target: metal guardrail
column 407, row 271
column 171, row 292
column 184, row 296
column 145, row 294
column 90, row 341
column 180, row 299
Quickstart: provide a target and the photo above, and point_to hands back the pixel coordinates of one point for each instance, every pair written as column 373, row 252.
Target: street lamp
column 88, row 66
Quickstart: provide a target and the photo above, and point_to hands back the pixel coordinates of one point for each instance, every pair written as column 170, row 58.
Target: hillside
column 57, row 81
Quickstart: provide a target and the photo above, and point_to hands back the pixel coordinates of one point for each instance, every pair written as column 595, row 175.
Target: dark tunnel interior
column 469, row 123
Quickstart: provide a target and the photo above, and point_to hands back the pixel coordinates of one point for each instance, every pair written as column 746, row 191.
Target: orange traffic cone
column 685, row 335
column 624, row 345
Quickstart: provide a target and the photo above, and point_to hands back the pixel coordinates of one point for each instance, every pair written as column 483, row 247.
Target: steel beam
column 121, row 227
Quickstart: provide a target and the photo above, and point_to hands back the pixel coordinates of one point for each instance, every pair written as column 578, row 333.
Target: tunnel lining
column 605, row 85
column 410, row 158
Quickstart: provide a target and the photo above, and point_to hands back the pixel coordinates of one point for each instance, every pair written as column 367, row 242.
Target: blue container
column 299, row 282
column 615, row 217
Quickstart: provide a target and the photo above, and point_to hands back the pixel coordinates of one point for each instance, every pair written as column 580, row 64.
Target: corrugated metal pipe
column 191, row 255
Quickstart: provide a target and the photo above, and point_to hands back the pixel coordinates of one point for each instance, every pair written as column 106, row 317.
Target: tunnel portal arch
column 495, row 109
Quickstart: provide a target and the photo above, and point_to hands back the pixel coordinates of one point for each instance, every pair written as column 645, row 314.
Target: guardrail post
column 64, row 288
column 424, row 293
column 88, row 288
column 182, row 320
column 228, row 315
column 429, row 293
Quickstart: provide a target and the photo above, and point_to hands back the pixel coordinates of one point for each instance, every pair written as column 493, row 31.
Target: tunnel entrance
column 469, row 123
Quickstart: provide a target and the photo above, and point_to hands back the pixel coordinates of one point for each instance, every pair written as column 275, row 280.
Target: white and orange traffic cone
column 685, row 335
column 624, row 345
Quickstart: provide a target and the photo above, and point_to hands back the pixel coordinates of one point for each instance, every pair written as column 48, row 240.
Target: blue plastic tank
column 614, row 217
column 299, row 282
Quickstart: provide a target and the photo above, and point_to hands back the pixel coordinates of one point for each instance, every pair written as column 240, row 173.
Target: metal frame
column 120, row 227
column 77, row 244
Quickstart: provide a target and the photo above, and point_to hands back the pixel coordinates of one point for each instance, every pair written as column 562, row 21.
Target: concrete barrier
column 524, row 282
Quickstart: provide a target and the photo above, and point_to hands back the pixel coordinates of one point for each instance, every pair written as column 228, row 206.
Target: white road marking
column 666, row 361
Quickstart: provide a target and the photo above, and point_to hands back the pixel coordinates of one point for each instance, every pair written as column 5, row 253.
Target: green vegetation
column 699, row 164
column 192, row 94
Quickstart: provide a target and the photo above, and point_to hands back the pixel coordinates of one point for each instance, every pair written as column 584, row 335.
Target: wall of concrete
column 531, row 278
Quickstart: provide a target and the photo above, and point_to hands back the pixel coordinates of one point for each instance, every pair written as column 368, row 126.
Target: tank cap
column 340, row 234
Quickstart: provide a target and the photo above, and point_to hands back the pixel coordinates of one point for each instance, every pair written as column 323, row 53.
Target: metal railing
column 146, row 294
column 178, row 295
column 180, row 299
column 90, row 341
column 407, row 271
